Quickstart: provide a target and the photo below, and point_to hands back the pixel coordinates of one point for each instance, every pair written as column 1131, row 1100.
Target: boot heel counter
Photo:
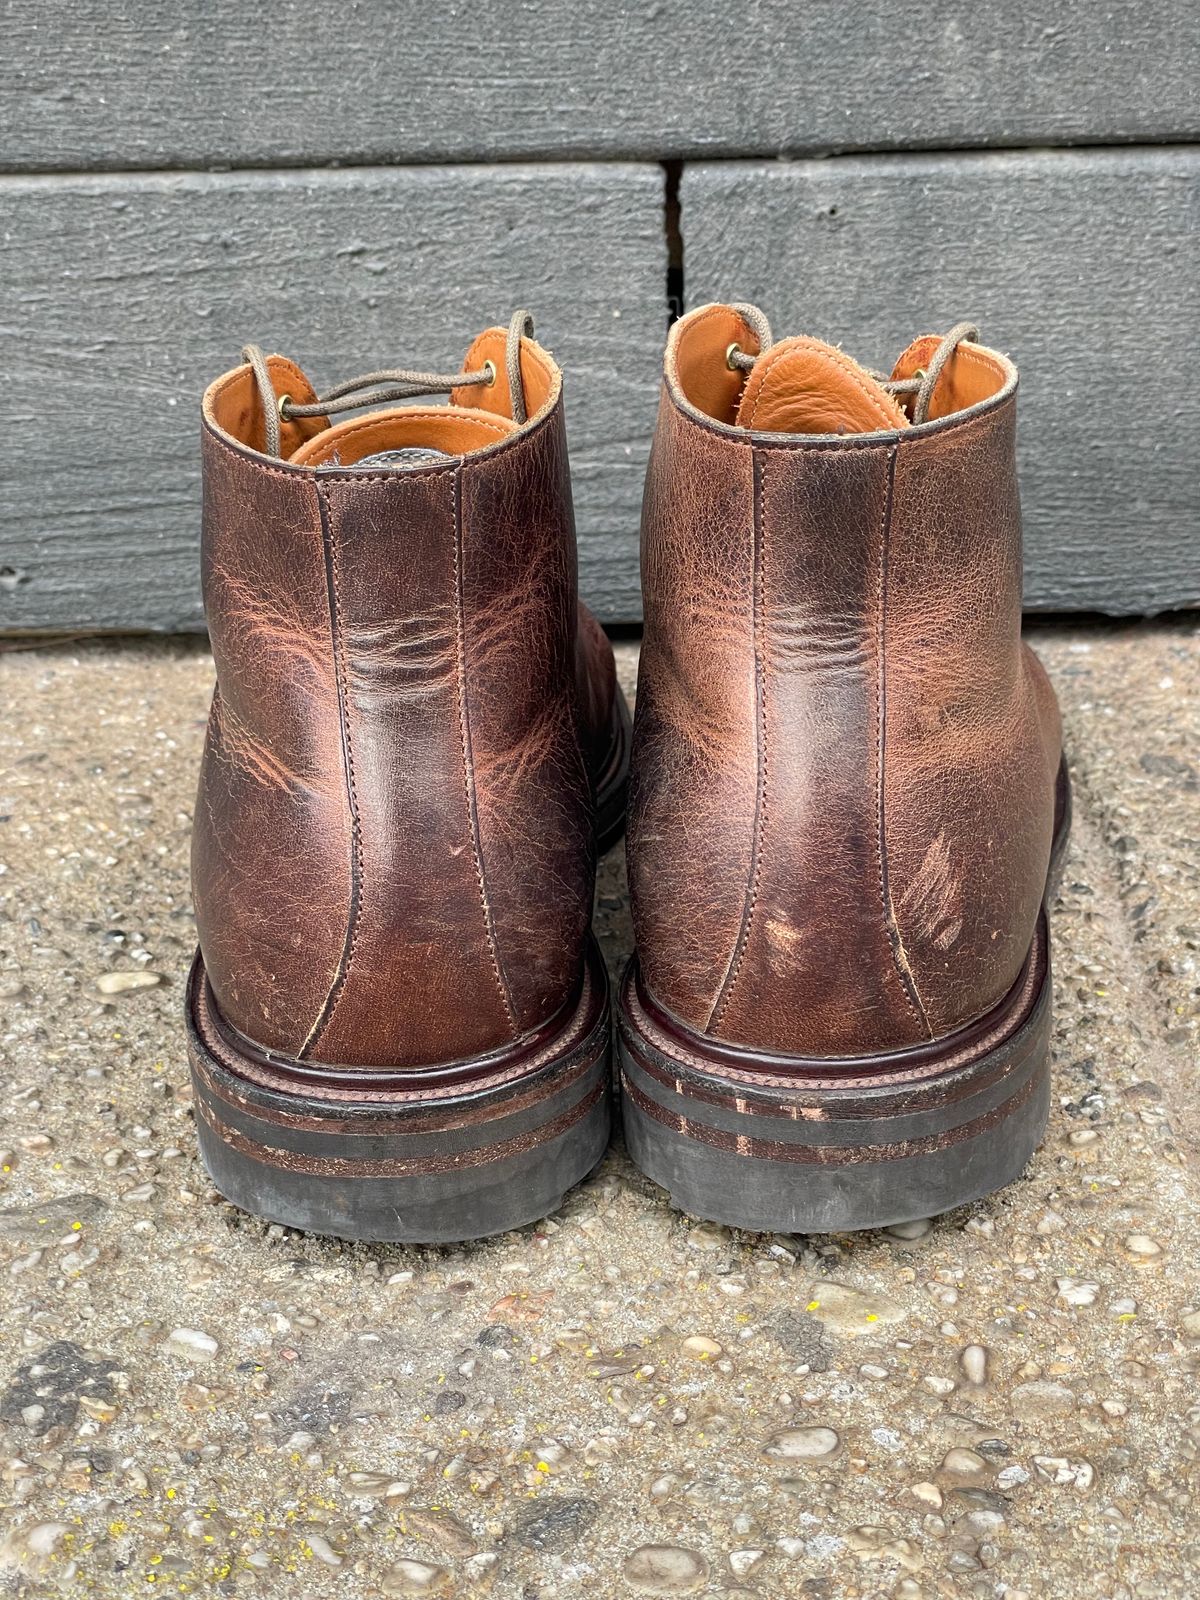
column 393, row 855
column 821, row 747
column 270, row 885
column 973, row 731
column 808, row 965
column 470, row 809
column 969, row 848
column 271, row 837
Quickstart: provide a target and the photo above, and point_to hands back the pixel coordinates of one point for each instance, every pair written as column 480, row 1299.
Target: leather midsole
column 294, row 1083
column 893, row 1113
column 639, row 1024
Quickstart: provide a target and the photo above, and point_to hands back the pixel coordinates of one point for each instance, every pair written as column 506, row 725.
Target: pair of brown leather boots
column 846, row 795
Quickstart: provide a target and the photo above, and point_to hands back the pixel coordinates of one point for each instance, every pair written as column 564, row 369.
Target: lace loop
column 737, row 359
column 925, row 379
column 520, row 327
column 928, row 381
column 387, row 385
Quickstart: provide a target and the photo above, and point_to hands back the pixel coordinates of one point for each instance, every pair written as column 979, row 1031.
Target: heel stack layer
column 797, row 1145
column 407, row 1157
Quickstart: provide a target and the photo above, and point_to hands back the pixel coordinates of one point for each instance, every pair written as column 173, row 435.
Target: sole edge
column 406, row 1168
column 816, row 1159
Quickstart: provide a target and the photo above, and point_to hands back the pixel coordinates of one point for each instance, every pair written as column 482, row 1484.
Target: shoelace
column 388, row 384
column 922, row 383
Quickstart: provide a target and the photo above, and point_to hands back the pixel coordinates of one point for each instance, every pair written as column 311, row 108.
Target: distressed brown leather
column 844, row 761
column 393, row 849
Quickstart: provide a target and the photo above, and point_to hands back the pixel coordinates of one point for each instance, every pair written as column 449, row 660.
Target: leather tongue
column 802, row 385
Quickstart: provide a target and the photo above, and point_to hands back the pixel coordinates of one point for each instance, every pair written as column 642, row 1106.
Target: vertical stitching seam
column 734, row 969
column 342, row 681
column 465, row 740
column 900, row 960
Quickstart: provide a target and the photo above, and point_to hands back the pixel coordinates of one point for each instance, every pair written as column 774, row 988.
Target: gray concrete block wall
column 373, row 184
column 198, row 83
column 135, row 290
column 1083, row 265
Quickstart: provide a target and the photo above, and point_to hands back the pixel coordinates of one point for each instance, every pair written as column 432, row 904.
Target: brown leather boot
column 399, row 1023
column 847, row 797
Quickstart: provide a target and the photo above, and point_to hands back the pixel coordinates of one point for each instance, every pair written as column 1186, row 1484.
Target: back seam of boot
column 464, row 722
column 341, row 676
column 733, row 970
column 904, row 972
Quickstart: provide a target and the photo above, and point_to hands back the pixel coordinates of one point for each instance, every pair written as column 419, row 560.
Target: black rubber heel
column 826, row 1147
column 457, row 1153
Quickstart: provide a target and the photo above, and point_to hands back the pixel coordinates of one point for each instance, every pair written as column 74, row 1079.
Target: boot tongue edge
column 802, row 385
column 434, row 430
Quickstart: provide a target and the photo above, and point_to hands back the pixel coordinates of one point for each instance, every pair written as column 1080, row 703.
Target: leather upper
column 844, row 758
column 392, row 854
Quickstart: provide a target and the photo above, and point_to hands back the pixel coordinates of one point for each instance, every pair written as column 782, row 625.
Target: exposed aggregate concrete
column 1001, row 1402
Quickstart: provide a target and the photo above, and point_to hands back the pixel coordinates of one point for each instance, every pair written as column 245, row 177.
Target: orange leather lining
column 539, row 376
column 972, row 374
column 802, row 385
column 458, row 430
column 232, row 403
column 698, row 349
column 477, row 416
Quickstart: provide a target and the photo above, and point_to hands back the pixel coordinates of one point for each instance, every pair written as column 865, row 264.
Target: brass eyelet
column 731, row 351
column 919, row 374
column 490, row 368
column 285, row 401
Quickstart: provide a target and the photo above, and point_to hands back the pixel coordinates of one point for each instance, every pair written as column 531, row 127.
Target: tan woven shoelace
column 922, row 383
column 388, row 384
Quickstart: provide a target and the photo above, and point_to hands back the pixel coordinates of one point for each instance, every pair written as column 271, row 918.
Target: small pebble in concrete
column 409, row 1577
column 974, row 1363
column 1077, row 1291
column 701, row 1348
column 1143, row 1247
column 125, row 982
column 816, row 1444
column 192, row 1344
column 961, row 1465
column 909, row 1231
column 665, row 1569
